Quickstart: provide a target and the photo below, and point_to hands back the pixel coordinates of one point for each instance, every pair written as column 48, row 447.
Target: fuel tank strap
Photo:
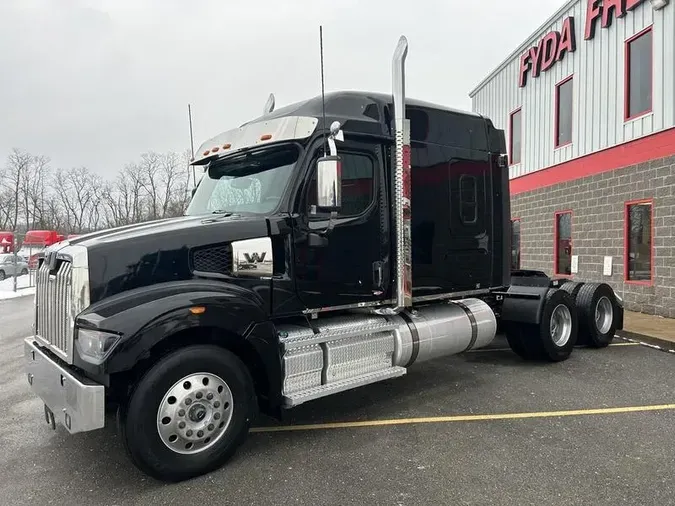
column 415, row 338
column 474, row 325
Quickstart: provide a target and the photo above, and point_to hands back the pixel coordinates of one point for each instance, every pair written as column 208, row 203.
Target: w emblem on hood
column 255, row 258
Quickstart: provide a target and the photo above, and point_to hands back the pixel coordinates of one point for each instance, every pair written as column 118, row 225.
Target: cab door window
column 358, row 184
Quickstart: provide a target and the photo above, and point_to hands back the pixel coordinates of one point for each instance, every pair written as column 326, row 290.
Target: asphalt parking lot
column 426, row 438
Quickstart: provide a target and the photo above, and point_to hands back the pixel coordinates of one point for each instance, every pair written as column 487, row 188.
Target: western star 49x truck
column 330, row 244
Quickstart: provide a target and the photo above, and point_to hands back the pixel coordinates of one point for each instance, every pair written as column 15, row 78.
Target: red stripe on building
column 630, row 153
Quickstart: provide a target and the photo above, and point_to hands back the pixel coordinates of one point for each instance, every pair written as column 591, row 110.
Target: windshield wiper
column 223, row 212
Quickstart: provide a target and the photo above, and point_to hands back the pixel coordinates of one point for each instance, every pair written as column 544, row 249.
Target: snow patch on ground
column 22, row 287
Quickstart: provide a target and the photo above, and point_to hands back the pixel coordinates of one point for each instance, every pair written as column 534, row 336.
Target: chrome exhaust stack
column 401, row 184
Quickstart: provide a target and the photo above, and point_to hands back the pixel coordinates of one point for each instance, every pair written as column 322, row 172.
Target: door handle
column 378, row 276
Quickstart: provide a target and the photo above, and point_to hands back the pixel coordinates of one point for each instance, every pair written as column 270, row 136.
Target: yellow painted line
column 467, row 418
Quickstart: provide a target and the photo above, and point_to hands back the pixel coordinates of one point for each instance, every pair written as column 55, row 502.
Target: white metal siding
column 598, row 89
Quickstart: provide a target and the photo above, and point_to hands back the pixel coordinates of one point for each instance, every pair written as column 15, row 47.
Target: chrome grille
column 53, row 298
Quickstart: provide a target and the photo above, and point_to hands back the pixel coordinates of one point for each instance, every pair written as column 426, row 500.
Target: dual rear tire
column 554, row 338
column 577, row 313
column 597, row 307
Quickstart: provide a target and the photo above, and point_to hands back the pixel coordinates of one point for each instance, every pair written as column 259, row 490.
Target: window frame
column 322, row 216
column 626, row 241
column 557, row 113
column 626, row 75
column 556, row 252
column 519, row 110
column 462, row 203
column 520, row 242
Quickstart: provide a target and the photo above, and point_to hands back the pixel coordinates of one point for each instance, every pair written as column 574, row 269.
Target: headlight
column 94, row 345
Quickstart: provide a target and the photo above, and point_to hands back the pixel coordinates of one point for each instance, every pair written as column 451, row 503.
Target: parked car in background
column 9, row 266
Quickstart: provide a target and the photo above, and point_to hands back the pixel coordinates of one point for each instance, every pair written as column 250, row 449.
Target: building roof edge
column 535, row 35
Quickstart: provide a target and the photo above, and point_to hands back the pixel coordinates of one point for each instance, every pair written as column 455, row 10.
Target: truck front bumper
column 73, row 401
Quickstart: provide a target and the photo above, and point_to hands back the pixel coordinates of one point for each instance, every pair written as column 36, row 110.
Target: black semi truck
column 330, row 244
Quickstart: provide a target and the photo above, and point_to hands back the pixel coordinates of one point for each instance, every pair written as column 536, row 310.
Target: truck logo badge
column 255, row 258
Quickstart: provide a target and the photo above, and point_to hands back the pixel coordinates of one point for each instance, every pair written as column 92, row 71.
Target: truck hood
column 159, row 251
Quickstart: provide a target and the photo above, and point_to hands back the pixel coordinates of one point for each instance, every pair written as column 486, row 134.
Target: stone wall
column 597, row 203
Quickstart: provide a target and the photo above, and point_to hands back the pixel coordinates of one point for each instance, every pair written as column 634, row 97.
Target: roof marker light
column 206, row 152
column 265, row 137
column 214, row 149
column 227, row 146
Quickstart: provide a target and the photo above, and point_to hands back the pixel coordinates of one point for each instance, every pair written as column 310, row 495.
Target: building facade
column 588, row 106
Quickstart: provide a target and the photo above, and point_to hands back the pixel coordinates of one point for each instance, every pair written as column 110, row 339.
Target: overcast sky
column 97, row 82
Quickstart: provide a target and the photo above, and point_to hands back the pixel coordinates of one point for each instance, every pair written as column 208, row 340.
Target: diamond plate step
column 340, row 386
column 330, row 335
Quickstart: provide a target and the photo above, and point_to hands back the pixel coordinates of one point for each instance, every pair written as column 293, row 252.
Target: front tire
column 189, row 413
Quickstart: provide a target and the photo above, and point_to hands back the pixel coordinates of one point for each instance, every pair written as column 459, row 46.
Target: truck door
column 453, row 243
column 470, row 240
column 345, row 267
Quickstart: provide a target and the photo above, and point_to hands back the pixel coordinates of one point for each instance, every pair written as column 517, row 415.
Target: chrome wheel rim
column 195, row 413
column 604, row 315
column 561, row 325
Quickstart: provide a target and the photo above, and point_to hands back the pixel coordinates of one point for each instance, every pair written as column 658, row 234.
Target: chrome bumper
column 75, row 402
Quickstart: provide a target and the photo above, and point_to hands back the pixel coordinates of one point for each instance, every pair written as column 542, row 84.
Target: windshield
column 252, row 182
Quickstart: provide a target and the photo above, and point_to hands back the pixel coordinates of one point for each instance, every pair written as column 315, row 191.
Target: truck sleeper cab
column 315, row 257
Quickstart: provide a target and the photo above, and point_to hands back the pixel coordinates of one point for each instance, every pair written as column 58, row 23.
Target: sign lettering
column 551, row 49
column 555, row 45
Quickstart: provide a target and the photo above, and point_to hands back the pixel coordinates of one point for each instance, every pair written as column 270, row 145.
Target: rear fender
column 523, row 303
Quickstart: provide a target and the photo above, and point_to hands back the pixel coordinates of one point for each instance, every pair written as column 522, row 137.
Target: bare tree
column 32, row 189
column 18, row 162
column 32, row 195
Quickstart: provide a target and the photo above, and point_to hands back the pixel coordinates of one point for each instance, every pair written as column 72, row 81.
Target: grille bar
column 53, row 296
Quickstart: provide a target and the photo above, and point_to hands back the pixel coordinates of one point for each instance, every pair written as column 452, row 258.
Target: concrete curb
column 651, row 341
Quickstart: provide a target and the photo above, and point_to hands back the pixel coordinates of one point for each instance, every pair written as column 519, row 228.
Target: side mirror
column 329, row 183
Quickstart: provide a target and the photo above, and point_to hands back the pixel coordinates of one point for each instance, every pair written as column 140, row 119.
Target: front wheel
column 189, row 413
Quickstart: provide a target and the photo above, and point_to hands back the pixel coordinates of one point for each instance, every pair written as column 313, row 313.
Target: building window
column 515, row 127
column 563, row 243
column 515, row 244
column 638, row 261
column 563, row 113
column 639, row 74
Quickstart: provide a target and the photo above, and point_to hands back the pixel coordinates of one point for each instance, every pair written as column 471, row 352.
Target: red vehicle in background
column 6, row 242
column 36, row 241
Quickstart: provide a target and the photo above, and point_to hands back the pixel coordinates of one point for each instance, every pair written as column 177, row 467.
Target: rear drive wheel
column 189, row 413
column 572, row 287
column 24, row 272
column 554, row 338
column 597, row 307
column 2, row 275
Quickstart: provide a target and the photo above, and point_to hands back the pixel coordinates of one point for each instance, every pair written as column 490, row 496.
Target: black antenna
column 323, row 95
column 192, row 148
